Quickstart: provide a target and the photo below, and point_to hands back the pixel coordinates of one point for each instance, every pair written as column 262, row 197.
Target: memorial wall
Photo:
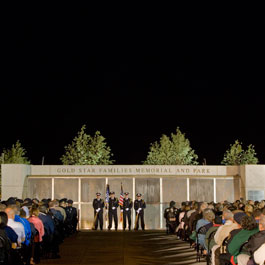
column 158, row 185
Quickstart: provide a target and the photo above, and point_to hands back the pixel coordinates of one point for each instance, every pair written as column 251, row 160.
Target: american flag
column 107, row 194
column 121, row 197
column 121, row 203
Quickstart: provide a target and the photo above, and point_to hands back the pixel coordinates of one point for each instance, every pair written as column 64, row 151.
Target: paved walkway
column 124, row 248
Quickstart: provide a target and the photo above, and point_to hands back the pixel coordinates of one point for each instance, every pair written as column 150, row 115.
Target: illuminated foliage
column 87, row 150
column 235, row 155
column 15, row 155
column 173, row 150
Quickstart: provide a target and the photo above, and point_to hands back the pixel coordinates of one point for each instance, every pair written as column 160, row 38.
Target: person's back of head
column 183, row 205
column 249, row 209
column 218, row 220
column 208, row 215
column 187, row 208
column 241, row 206
column 228, row 215
column 196, row 206
column 257, row 213
column 203, row 206
column 43, row 209
column 3, row 220
column 172, row 204
column 22, row 213
column 51, row 204
column 2, row 207
column 16, row 209
column 10, row 213
column 34, row 211
column 261, row 205
column 248, row 223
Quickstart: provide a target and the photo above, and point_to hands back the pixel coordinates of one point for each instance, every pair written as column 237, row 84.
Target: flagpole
column 121, row 203
column 107, row 203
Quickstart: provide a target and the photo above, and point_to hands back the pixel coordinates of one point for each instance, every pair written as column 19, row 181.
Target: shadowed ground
column 124, row 248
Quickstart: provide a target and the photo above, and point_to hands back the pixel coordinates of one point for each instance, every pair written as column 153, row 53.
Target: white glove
column 127, row 209
column 121, row 211
column 140, row 209
column 98, row 209
column 113, row 208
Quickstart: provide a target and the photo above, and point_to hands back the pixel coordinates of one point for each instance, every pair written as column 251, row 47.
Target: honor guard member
column 139, row 206
column 71, row 217
column 113, row 205
column 126, row 209
column 98, row 205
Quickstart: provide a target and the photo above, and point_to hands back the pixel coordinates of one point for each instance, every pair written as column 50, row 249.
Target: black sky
column 133, row 81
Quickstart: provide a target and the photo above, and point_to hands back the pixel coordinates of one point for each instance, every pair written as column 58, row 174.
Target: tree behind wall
column 87, row 150
column 235, row 155
column 173, row 150
column 14, row 155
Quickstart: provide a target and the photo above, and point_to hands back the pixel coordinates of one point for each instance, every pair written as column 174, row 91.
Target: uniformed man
column 170, row 215
column 126, row 209
column 98, row 205
column 139, row 206
column 71, row 217
column 113, row 205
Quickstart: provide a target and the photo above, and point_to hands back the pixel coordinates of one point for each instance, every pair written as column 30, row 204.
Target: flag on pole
column 121, row 202
column 107, row 202
column 107, row 194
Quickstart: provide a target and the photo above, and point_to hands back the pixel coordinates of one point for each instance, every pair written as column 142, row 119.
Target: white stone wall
column 14, row 180
column 254, row 179
column 14, row 176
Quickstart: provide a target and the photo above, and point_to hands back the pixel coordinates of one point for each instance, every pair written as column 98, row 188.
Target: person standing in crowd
column 20, row 217
column 57, row 235
column 126, row 209
column 71, row 217
column 60, row 208
column 48, row 228
column 139, row 206
column 98, row 205
column 19, row 229
column 16, row 226
column 34, row 219
column 113, row 205
column 11, row 234
column 5, row 243
column 170, row 215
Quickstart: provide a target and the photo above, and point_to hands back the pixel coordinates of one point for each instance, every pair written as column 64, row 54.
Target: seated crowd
column 31, row 230
column 224, row 233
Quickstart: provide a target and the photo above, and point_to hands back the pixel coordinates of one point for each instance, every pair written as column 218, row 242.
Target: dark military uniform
column 98, row 205
column 127, row 206
column 113, row 205
column 71, row 218
column 170, row 215
column 139, row 204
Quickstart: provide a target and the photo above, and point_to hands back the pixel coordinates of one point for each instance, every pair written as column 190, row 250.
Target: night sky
column 131, row 81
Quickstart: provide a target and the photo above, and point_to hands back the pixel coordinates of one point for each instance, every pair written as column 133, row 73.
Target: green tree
column 15, row 155
column 87, row 150
column 173, row 150
column 236, row 155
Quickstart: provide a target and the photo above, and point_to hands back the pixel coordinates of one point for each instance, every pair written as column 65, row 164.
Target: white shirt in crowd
column 18, row 228
column 259, row 255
